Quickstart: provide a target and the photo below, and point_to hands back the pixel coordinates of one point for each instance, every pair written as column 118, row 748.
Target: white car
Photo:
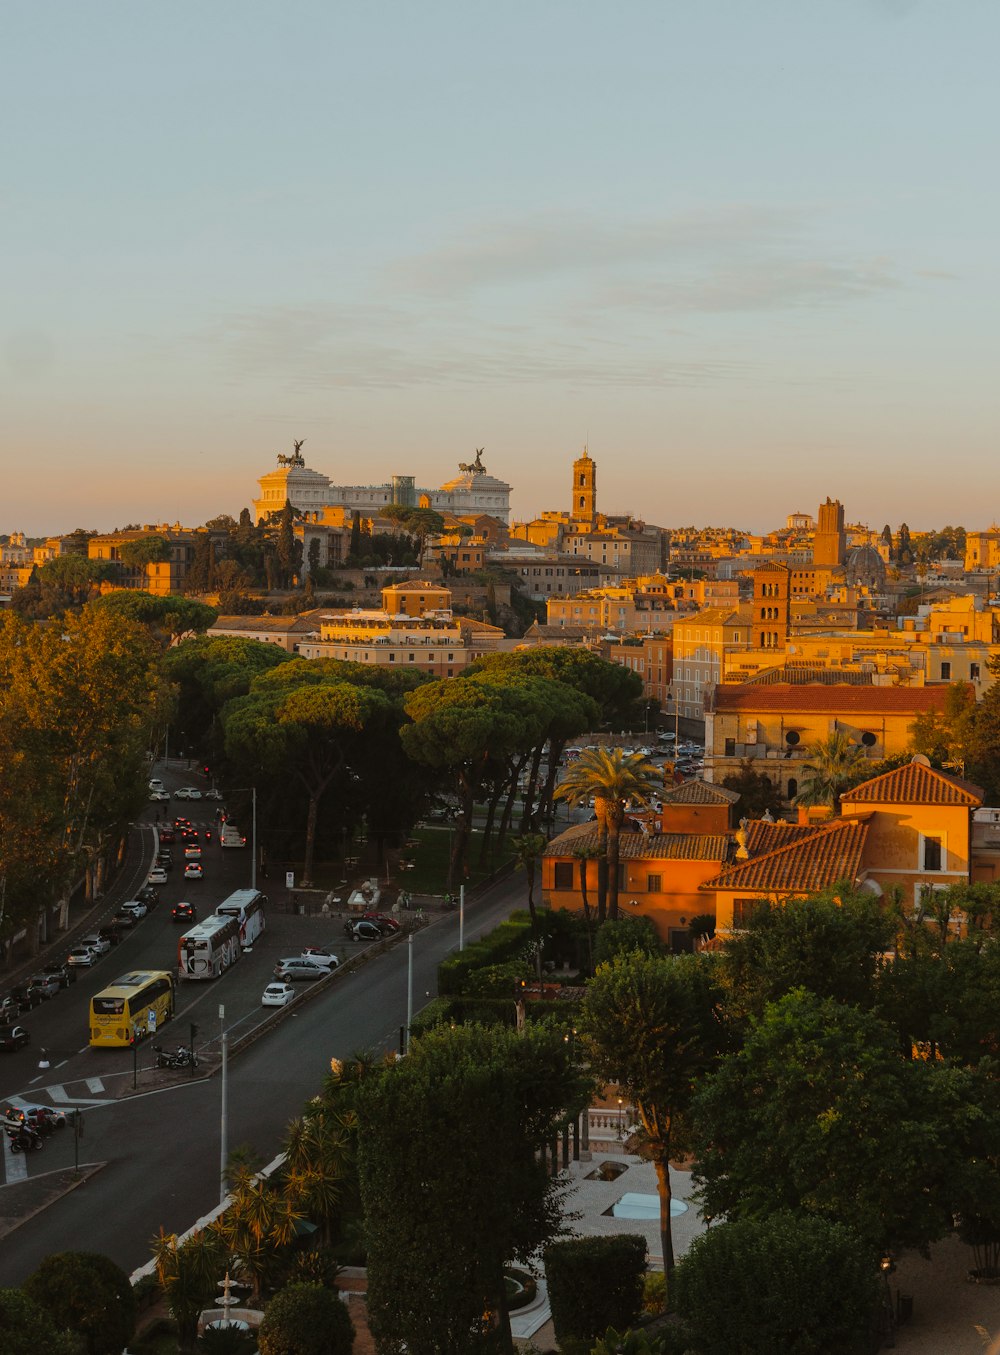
column 322, row 954
column 277, row 995
column 191, row 793
column 134, row 906
column 100, row 945
column 194, row 871
column 213, row 794
column 155, row 783
column 81, row 957
column 157, row 876
column 156, row 795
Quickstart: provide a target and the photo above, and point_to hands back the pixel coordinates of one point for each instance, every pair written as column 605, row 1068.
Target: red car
column 167, row 834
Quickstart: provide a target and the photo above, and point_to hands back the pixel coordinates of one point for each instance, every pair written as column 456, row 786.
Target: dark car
column 165, row 860
column 62, row 973
column 386, row 924
column 112, row 933
column 10, row 1008
column 183, row 912
column 148, row 895
column 26, row 997
column 13, row 1037
column 167, row 834
column 125, row 918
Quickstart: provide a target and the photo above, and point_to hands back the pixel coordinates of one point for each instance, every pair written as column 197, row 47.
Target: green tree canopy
column 306, row 1319
column 141, row 551
column 818, row 1113
column 788, row 1283
column 86, row 1293
column 467, row 1190
column 27, row 1328
column 671, row 1010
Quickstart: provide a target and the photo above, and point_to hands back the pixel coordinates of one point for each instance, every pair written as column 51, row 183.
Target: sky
column 745, row 250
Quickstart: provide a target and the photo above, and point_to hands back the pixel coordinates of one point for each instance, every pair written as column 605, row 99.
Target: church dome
column 864, row 565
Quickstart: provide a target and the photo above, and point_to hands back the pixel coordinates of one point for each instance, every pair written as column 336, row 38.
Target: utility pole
column 461, row 917
column 409, row 988
column 253, row 839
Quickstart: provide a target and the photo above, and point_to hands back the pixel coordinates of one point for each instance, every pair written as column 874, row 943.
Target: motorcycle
column 23, row 1140
column 182, row 1057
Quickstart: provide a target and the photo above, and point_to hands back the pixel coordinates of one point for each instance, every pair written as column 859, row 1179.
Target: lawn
column 430, row 858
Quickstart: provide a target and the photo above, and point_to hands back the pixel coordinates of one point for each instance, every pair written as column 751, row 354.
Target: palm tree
column 189, row 1274
column 833, row 767
column 528, row 848
column 611, row 777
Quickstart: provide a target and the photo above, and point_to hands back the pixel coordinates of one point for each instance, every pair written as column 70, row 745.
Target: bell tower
column 583, row 502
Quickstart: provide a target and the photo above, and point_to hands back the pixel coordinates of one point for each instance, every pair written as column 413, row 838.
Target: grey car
column 301, row 967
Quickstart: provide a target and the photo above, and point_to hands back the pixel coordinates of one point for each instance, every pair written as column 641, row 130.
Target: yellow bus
column 134, row 1006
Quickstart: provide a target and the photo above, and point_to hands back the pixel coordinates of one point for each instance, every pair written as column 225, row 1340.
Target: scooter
column 23, row 1140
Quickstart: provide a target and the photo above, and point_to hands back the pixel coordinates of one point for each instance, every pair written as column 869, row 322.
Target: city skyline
column 743, row 253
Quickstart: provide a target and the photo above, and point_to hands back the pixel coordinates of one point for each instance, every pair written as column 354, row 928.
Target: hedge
column 506, row 942
column 594, row 1283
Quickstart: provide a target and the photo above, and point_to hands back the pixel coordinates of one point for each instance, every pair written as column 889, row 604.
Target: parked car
column 13, row 1037
column 383, row 922
column 155, row 783
column 46, row 984
column 167, row 833
column 301, row 967
column 183, row 912
column 157, row 876
column 10, row 1008
column 358, row 929
column 125, row 919
column 63, row 976
column 81, row 957
column 194, row 871
column 321, row 953
column 134, row 906
column 99, row 944
column 165, row 858
column 277, row 995
column 157, row 795
column 149, row 896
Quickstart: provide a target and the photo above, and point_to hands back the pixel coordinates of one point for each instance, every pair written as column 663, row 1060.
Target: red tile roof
column 644, row 847
column 818, row 858
column 916, row 784
column 837, row 699
column 699, row 793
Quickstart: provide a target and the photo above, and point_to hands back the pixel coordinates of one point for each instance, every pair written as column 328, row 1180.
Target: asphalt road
column 162, row 1149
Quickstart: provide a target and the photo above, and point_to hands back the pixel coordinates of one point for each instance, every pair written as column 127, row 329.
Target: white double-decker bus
column 208, row 949
column 247, row 907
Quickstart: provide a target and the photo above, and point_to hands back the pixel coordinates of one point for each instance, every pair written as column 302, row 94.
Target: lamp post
column 224, row 1115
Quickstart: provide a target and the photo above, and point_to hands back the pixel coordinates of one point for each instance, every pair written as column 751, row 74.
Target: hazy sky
column 746, row 249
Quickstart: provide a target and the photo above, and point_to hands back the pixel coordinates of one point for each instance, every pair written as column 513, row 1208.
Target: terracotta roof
column 839, row 699
column 916, row 784
column 801, row 674
column 821, row 857
column 640, row 847
column 306, row 622
column 699, row 793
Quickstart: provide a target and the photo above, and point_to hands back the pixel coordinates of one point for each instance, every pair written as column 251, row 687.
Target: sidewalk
column 24, row 1199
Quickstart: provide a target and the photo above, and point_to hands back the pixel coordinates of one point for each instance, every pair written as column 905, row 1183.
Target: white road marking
column 62, row 1097
column 15, row 1165
column 94, row 1084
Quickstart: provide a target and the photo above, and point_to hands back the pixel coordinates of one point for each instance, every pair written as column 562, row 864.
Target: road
column 162, row 1149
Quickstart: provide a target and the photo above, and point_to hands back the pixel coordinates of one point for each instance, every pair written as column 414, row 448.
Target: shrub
column 801, row 1285
column 86, row 1293
column 654, row 1292
column 594, row 1283
column 506, row 942
column 625, row 934
column 305, row 1319
column 26, row 1328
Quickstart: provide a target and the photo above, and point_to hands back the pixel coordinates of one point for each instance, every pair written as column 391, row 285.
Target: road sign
column 289, row 879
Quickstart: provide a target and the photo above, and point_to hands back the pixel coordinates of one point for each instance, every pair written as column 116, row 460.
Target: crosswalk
column 66, row 1097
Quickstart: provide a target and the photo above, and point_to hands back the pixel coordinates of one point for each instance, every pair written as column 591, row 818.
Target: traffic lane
column 61, row 1026
column 163, row 1150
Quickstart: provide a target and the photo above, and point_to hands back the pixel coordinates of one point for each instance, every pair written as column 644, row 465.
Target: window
column 730, row 748
column 932, row 852
column 743, row 911
column 945, row 671
column 974, row 672
column 654, row 883
column 564, row 875
column 793, row 788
